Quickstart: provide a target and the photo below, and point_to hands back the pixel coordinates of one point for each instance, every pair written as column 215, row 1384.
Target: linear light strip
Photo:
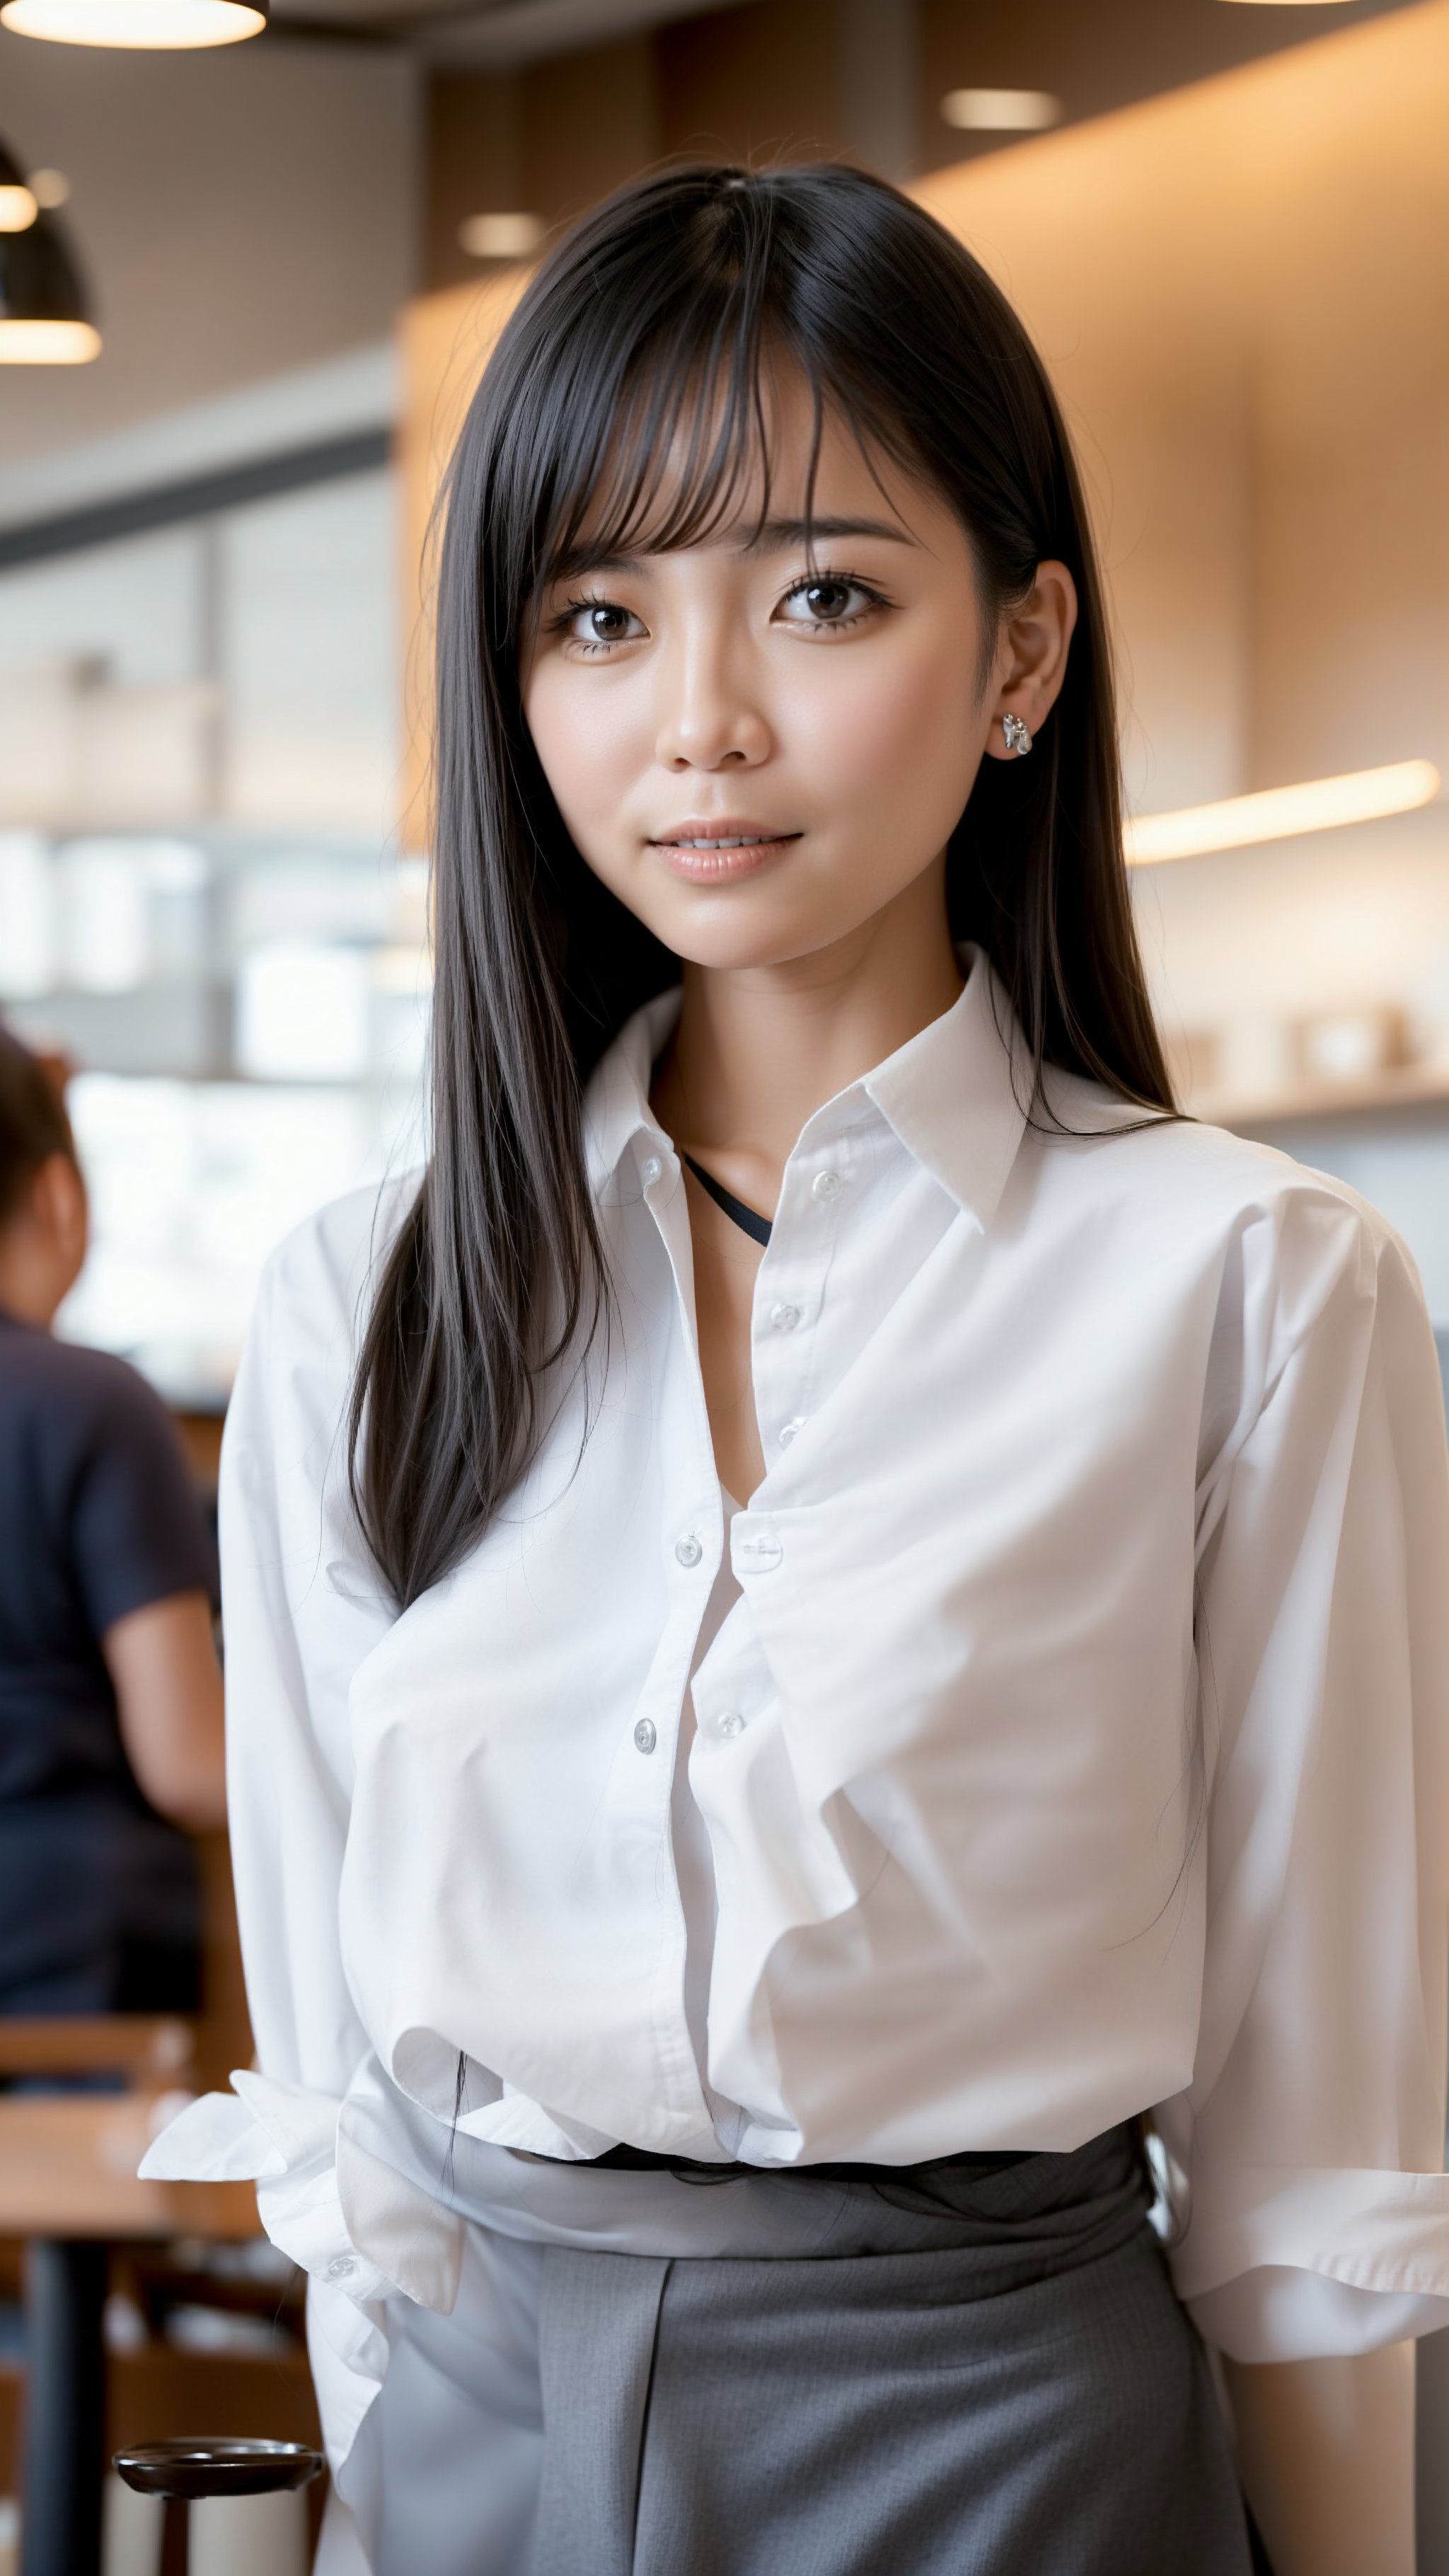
column 1281, row 813
column 1001, row 111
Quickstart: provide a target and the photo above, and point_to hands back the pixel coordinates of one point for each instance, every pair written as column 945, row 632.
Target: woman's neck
column 758, row 1049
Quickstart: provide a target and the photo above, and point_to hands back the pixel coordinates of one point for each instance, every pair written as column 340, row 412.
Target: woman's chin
column 737, row 948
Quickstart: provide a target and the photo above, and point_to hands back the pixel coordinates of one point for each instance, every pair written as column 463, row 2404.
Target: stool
column 180, row 2471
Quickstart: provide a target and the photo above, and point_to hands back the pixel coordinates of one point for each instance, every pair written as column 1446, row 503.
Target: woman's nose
column 710, row 719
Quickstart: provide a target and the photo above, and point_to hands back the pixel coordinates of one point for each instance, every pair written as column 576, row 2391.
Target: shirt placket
column 692, row 1542
column 786, row 1356
column 789, row 1369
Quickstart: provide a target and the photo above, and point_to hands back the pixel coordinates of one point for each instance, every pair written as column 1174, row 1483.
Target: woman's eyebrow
column 585, row 559
column 779, row 535
column 771, row 536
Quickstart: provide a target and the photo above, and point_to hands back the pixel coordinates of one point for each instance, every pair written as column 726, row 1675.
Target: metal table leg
column 175, row 2537
column 65, row 2394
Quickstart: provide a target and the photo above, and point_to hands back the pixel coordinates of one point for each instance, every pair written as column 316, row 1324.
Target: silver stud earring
column 1018, row 735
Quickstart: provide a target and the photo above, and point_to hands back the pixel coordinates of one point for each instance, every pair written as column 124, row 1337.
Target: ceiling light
column 47, row 344
column 1000, row 111
column 501, row 236
column 18, row 208
column 141, row 25
column 49, row 188
column 45, row 317
column 18, row 203
column 1281, row 813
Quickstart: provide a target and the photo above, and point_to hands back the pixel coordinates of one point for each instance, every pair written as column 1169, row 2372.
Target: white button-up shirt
column 1059, row 1731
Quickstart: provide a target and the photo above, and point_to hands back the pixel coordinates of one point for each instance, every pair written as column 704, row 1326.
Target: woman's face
column 758, row 747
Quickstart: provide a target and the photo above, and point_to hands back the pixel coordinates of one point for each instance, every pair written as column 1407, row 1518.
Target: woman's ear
column 60, row 1208
column 1031, row 660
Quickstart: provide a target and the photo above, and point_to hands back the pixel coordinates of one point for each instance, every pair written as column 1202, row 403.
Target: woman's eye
column 828, row 599
column 597, row 622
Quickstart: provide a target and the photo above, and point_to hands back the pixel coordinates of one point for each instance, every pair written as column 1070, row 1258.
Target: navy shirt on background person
column 99, row 1895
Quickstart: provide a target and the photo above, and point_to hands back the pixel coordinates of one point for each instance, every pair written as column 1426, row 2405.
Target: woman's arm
column 1326, row 2454
column 1313, row 2133
column 162, row 1663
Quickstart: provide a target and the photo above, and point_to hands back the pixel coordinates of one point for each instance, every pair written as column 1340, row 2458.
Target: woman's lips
column 716, row 853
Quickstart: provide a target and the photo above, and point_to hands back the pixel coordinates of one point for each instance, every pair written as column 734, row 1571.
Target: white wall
column 240, row 214
column 238, row 669
column 312, row 688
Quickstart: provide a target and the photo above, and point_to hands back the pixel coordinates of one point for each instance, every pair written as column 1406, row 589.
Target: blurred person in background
column 110, row 1692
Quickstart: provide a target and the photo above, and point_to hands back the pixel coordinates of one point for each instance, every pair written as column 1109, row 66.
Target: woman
column 884, row 1626
column 110, row 1696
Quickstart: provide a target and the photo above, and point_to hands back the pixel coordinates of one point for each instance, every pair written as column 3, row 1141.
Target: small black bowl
column 204, row 2465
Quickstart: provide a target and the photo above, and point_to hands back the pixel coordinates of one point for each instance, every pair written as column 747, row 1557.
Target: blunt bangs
column 636, row 418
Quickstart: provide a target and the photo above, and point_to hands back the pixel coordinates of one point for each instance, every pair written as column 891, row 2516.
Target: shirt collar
column 616, row 1102
column 955, row 1094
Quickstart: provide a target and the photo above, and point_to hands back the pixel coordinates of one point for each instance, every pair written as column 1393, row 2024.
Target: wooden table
column 69, row 2187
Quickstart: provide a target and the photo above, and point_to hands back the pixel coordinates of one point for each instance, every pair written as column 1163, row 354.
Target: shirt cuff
column 348, row 2219
column 1284, row 2263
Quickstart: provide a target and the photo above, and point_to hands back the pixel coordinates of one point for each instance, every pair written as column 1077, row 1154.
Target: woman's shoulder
column 1177, row 1163
column 1188, row 1200
column 315, row 1283
column 74, row 1383
column 291, row 1391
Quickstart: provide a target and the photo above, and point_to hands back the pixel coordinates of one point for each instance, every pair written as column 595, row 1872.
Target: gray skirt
column 971, row 2369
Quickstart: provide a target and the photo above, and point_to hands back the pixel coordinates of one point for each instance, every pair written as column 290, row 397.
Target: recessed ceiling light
column 1281, row 813
column 1001, row 111
column 149, row 26
column 50, row 188
column 501, row 236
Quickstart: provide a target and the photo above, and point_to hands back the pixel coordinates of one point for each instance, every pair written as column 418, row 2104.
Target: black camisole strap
column 748, row 1219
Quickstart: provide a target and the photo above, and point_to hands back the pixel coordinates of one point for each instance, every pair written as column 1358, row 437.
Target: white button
column 652, row 1169
column 732, row 1723
column 759, row 1555
column 784, row 1318
column 788, row 1431
column 826, row 1185
column 688, row 1549
column 341, row 2268
column 646, row 1735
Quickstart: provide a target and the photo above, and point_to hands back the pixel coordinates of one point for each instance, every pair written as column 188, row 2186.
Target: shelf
column 1416, row 1086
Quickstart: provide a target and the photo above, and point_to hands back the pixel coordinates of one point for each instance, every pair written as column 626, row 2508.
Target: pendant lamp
column 19, row 205
column 45, row 315
column 152, row 26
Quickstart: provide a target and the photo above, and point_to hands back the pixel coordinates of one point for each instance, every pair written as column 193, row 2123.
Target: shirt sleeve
column 1312, row 2136
column 303, row 1604
column 137, row 1530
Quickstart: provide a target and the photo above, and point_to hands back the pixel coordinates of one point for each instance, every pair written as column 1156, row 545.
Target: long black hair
column 641, row 341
